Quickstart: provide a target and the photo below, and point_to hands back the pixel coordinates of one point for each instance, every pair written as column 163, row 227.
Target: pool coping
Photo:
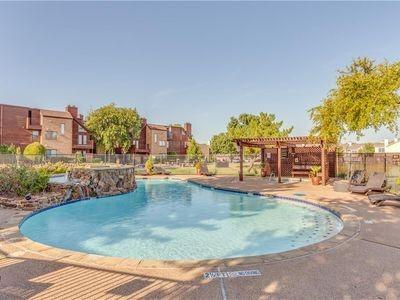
column 13, row 243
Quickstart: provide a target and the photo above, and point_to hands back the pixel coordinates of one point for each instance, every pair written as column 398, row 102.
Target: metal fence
column 11, row 159
column 389, row 163
column 345, row 163
column 173, row 164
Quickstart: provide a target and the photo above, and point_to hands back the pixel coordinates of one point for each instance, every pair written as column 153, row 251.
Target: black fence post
column 384, row 163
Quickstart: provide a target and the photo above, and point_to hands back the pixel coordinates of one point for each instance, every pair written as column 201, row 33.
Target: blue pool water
column 171, row 220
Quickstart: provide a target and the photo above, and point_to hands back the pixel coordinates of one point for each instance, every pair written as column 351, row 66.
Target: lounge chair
column 357, row 178
column 204, row 170
column 379, row 199
column 376, row 183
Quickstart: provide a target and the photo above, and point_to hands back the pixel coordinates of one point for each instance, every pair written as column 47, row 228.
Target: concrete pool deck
column 366, row 266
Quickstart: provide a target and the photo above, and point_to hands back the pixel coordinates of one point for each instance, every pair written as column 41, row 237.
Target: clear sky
column 200, row 62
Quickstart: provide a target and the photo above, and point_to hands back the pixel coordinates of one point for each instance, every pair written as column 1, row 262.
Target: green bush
column 149, row 165
column 35, row 149
column 20, row 181
column 79, row 158
column 9, row 149
column 54, row 168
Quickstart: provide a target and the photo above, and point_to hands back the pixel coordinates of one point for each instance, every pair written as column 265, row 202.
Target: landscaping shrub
column 35, row 148
column 54, row 168
column 149, row 165
column 20, row 181
column 79, row 158
column 9, row 149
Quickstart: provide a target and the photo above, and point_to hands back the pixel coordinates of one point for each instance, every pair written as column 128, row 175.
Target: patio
column 365, row 266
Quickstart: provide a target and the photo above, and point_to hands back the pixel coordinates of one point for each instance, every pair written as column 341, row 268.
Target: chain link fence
column 171, row 164
column 345, row 163
column 389, row 163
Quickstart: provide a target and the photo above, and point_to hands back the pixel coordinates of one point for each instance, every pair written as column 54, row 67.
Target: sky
column 198, row 62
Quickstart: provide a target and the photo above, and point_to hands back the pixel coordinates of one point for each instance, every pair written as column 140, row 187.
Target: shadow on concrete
column 23, row 278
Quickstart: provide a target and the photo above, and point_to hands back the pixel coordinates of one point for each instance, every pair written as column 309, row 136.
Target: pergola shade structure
column 282, row 142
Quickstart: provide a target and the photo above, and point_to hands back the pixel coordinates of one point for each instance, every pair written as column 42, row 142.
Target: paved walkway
column 365, row 267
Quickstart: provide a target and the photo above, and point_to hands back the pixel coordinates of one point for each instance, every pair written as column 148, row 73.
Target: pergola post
column 279, row 162
column 263, row 156
column 323, row 162
column 241, row 161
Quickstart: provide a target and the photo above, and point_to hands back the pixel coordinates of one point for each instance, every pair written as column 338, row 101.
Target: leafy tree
column 262, row 125
column 367, row 148
column 366, row 96
column 114, row 127
column 35, row 148
column 194, row 150
column 222, row 144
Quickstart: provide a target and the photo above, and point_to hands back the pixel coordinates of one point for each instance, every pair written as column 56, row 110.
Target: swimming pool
column 174, row 220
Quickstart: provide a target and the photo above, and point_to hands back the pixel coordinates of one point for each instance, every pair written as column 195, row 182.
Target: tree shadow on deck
column 23, row 278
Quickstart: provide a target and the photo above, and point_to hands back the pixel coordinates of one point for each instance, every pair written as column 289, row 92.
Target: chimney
column 188, row 129
column 73, row 110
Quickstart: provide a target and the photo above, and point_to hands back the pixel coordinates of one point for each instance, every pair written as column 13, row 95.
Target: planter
column 315, row 180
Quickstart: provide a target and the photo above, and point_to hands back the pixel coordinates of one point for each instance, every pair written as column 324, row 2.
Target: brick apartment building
column 162, row 139
column 61, row 132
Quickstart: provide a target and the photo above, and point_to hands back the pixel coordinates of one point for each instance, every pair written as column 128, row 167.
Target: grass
column 233, row 169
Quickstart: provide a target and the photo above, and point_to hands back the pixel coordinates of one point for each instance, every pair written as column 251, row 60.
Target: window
column 51, row 135
column 162, row 143
column 35, row 135
column 81, row 129
column 62, row 128
column 82, row 139
column 51, row 152
column 155, row 138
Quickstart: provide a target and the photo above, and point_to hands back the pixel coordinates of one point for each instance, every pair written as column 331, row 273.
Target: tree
column 35, row 148
column 366, row 96
column 114, row 127
column 367, row 148
column 222, row 144
column 194, row 150
column 262, row 125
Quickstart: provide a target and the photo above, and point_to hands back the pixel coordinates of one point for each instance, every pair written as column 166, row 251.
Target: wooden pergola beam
column 278, row 145
column 323, row 163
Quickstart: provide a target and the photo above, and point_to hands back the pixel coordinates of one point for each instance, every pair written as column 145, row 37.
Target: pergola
column 279, row 142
